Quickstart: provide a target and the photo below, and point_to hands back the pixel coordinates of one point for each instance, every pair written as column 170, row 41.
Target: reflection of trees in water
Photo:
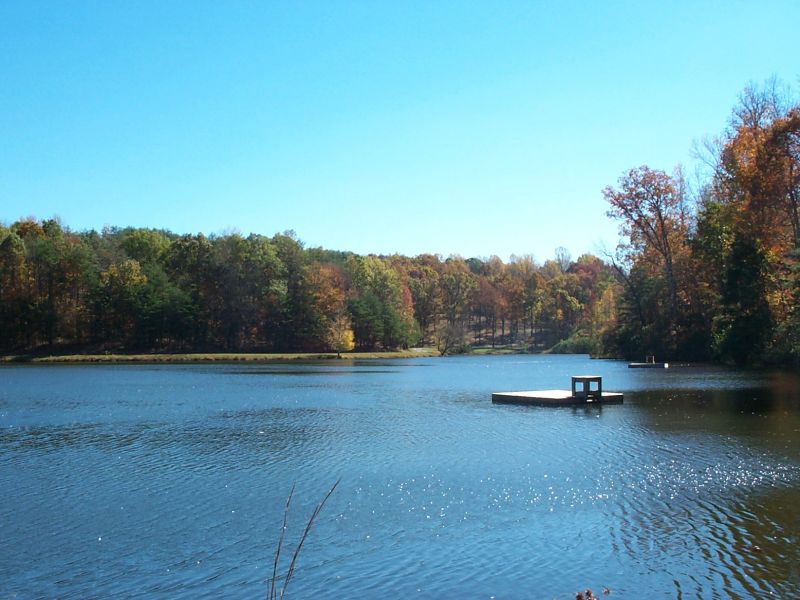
column 766, row 545
column 713, row 521
column 726, row 463
column 767, row 417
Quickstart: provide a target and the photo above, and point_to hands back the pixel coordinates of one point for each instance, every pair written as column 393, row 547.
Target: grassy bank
column 215, row 357
column 517, row 348
column 496, row 351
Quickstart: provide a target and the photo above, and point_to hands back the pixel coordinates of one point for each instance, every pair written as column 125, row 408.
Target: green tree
column 188, row 264
column 423, row 284
column 743, row 327
column 121, row 287
column 15, row 298
column 300, row 324
column 382, row 309
column 368, row 320
column 457, row 284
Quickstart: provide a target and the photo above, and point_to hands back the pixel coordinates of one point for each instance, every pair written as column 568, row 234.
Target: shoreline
column 209, row 357
column 251, row 357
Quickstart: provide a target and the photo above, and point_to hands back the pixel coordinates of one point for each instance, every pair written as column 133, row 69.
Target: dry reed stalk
column 280, row 544
column 273, row 593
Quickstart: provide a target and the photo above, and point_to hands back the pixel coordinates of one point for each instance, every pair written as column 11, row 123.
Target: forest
column 706, row 269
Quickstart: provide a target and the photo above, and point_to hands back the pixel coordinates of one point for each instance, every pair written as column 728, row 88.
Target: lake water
column 171, row 481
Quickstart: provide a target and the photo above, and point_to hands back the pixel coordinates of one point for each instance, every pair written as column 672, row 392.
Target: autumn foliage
column 714, row 274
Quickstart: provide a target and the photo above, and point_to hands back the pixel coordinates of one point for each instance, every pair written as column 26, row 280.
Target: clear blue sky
column 472, row 128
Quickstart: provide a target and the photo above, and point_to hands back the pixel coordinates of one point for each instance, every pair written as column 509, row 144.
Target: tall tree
column 654, row 222
column 382, row 309
column 457, row 284
column 423, row 284
column 654, row 219
column 302, row 327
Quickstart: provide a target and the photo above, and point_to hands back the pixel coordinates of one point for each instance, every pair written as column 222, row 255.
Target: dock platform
column 555, row 398
column 586, row 389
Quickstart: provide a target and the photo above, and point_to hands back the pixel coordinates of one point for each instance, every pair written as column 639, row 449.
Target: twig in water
column 273, row 594
column 280, row 544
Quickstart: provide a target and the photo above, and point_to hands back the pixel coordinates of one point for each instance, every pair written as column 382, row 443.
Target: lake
column 171, row 481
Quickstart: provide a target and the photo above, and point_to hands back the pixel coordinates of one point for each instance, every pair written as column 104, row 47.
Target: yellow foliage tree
column 339, row 335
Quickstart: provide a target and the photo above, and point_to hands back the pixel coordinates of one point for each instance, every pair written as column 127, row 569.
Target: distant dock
column 649, row 363
column 586, row 389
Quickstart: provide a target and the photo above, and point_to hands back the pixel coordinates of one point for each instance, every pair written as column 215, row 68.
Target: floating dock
column 649, row 363
column 583, row 392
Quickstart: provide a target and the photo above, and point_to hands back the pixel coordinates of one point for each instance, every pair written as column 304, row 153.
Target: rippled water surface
column 171, row 481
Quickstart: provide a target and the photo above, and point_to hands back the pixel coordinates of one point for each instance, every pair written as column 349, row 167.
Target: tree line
column 709, row 271
column 153, row 290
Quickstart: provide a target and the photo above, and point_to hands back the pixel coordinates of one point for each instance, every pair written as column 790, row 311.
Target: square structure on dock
column 585, row 383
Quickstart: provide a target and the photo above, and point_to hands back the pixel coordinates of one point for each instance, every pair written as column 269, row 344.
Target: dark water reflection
column 171, row 481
